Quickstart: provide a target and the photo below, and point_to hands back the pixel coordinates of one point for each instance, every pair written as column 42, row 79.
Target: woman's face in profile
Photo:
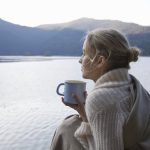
column 86, row 63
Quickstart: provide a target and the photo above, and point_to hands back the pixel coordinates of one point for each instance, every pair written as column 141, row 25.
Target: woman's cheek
column 85, row 62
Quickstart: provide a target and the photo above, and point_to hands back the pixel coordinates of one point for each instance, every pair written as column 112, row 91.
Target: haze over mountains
column 64, row 39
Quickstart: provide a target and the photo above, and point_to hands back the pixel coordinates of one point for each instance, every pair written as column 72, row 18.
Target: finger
column 63, row 101
column 85, row 94
column 77, row 100
column 81, row 106
column 74, row 106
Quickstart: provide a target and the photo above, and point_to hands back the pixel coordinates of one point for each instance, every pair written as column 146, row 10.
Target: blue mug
column 72, row 87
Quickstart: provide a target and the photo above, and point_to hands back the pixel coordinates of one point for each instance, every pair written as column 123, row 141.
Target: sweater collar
column 116, row 77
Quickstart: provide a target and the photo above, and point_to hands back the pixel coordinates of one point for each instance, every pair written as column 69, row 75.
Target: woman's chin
column 85, row 76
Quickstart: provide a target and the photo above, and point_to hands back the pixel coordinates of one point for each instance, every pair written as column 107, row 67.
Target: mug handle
column 57, row 91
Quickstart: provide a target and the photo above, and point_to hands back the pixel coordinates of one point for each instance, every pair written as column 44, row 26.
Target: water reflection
column 30, row 109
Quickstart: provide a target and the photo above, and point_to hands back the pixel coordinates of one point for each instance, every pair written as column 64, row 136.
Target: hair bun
column 133, row 54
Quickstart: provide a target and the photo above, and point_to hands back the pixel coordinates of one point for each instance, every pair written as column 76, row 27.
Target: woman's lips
column 82, row 68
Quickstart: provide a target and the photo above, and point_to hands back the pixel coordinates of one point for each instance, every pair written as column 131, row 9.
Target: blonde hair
column 114, row 46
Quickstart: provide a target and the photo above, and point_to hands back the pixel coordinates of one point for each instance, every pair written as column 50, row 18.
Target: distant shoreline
column 4, row 59
column 34, row 58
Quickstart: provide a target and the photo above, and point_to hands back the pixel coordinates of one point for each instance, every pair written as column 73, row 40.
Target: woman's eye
column 82, row 54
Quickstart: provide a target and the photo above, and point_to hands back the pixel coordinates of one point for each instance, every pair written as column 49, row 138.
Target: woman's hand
column 79, row 107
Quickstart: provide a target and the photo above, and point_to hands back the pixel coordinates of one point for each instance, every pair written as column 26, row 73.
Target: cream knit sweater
column 107, row 108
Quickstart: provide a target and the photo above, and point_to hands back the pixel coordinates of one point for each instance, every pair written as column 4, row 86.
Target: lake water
column 30, row 109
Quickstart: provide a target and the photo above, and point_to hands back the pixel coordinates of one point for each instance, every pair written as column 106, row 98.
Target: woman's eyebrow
column 83, row 50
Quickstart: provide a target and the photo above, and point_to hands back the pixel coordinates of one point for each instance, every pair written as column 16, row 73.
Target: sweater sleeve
column 105, row 132
column 84, row 135
column 107, row 128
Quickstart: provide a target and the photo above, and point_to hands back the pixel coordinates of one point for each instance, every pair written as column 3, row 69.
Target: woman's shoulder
column 98, row 99
column 101, row 94
column 107, row 98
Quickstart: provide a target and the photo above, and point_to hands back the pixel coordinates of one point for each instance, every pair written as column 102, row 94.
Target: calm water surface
column 30, row 109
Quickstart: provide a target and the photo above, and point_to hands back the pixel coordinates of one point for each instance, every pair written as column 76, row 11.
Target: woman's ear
column 101, row 61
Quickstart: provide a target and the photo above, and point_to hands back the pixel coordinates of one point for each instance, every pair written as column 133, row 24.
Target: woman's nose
column 80, row 60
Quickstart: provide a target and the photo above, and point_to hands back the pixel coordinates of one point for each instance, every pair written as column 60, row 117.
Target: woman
column 116, row 115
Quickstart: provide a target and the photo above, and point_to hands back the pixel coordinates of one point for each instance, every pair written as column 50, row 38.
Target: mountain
column 87, row 24
column 65, row 38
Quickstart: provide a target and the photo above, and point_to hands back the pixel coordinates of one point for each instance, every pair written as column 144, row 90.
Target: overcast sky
column 36, row 12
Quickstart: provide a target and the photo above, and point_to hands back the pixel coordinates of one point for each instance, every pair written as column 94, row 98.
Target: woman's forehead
column 86, row 48
column 84, row 44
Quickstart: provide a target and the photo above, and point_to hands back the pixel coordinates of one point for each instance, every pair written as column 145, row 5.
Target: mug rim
column 75, row 81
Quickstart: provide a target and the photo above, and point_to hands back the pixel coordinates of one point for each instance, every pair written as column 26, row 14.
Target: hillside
column 87, row 24
column 64, row 39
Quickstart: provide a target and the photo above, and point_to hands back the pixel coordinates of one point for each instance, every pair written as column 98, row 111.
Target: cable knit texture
column 107, row 108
